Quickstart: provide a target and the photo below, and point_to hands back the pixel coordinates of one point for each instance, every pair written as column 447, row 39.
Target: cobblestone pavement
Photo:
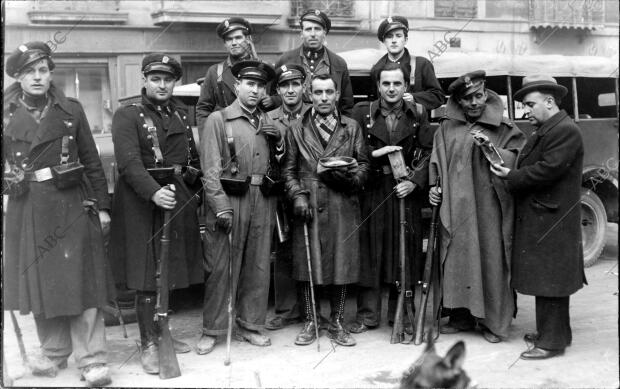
column 591, row 361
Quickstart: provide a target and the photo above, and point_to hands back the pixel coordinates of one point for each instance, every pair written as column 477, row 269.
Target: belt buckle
column 43, row 174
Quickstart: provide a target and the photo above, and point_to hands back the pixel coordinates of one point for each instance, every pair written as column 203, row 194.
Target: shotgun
column 308, row 258
column 431, row 248
column 230, row 300
column 168, row 364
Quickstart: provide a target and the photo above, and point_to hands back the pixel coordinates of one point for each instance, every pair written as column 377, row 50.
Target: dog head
column 433, row 371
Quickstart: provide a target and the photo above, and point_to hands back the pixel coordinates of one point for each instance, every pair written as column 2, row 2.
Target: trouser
column 83, row 334
column 286, row 290
column 369, row 302
column 553, row 323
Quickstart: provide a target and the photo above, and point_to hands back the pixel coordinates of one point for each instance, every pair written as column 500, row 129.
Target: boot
column 145, row 313
column 336, row 330
column 307, row 335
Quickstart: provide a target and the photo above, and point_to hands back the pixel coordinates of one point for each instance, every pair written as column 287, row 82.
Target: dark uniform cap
column 317, row 16
column 542, row 83
column 27, row 54
column 290, row 71
column 158, row 62
column 390, row 24
column 232, row 24
column 467, row 84
column 255, row 70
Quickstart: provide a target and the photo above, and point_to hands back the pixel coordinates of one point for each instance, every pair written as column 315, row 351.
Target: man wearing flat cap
column 318, row 59
column 218, row 89
column 238, row 146
column 546, row 183
column 54, row 262
column 149, row 137
column 476, row 213
column 423, row 87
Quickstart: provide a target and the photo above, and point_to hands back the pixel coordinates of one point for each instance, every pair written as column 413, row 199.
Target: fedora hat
column 541, row 83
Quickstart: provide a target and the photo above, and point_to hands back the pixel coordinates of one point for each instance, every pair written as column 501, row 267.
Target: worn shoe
column 358, row 328
column 149, row 358
column 206, row 344
column 44, row 366
column 252, row 337
column 341, row 337
column 490, row 336
column 307, row 335
column 450, row 328
column 180, row 347
column 279, row 322
column 540, row 353
column 96, row 375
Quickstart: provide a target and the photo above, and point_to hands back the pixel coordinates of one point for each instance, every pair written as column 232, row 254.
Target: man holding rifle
column 390, row 124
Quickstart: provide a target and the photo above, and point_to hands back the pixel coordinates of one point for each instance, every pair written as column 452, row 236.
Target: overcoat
column 54, row 262
column 334, row 231
column 338, row 70
column 136, row 220
column 215, row 95
column 379, row 257
column 547, row 251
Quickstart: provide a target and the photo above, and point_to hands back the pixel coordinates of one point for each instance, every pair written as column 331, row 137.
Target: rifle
column 428, row 273
column 20, row 340
column 308, row 258
column 230, row 300
column 168, row 364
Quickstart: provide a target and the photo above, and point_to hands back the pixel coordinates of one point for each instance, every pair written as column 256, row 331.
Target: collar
column 12, row 97
column 236, row 110
column 404, row 58
column 292, row 114
column 551, row 122
column 386, row 110
column 407, row 107
column 492, row 114
column 168, row 107
column 402, row 54
column 246, row 110
column 313, row 54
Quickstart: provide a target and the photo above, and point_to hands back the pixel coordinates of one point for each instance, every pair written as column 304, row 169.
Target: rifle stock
column 398, row 332
column 168, row 364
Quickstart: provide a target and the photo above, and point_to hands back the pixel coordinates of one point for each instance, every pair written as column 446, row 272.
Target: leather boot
column 336, row 330
column 307, row 335
column 145, row 314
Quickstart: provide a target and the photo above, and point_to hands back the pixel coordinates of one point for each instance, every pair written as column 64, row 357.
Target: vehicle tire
column 593, row 226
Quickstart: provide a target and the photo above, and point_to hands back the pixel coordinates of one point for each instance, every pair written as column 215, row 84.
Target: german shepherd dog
column 433, row 371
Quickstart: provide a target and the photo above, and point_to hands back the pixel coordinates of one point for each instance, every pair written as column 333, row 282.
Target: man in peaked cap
column 477, row 212
column 318, row 59
column 546, row 184
column 423, row 87
column 239, row 143
column 140, row 200
column 218, row 89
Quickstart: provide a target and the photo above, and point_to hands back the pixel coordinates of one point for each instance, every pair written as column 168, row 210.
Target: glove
column 224, row 222
column 301, row 208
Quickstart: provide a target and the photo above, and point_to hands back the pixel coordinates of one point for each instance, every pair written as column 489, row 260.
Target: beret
column 390, row 24
column 256, row 70
column 27, row 54
column 290, row 72
column 541, row 83
column 232, row 24
column 159, row 62
column 317, row 16
column 467, row 83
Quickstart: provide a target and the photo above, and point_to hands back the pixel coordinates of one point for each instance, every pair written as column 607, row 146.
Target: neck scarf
column 326, row 125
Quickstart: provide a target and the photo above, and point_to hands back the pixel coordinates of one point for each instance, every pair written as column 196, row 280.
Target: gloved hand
column 271, row 132
column 224, row 222
column 301, row 208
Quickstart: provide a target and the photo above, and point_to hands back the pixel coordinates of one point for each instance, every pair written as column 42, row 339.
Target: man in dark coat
column 218, row 89
column 318, row 59
column 423, row 87
column 476, row 215
column 547, row 252
column 239, row 142
column 54, row 263
column 154, row 133
column 390, row 124
column 327, row 202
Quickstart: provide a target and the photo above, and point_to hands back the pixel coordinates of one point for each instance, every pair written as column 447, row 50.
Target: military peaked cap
column 317, row 16
column 255, row 70
column 158, row 62
column 391, row 24
column 232, row 24
column 468, row 83
column 290, row 71
column 27, row 54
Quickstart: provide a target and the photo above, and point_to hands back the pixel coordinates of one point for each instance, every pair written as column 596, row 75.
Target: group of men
column 289, row 139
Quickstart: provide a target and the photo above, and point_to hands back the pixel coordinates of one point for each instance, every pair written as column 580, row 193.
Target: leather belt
column 257, row 179
column 40, row 175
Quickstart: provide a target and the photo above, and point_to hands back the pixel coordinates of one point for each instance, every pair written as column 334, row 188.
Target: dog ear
column 455, row 356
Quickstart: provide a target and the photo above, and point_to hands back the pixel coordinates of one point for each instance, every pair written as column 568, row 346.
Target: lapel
column 407, row 125
column 229, row 80
column 339, row 138
column 56, row 123
column 540, row 132
column 379, row 126
column 310, row 140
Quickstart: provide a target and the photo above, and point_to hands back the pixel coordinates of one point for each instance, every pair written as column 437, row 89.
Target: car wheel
column 593, row 226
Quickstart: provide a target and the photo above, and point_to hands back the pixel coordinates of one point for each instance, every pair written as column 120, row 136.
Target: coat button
column 320, row 209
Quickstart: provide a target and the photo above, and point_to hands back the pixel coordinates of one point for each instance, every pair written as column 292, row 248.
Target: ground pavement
column 591, row 361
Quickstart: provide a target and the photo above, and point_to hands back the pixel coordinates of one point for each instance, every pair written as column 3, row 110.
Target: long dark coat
column 379, row 235
column 334, row 232
column 547, row 251
column 136, row 220
column 54, row 263
column 214, row 96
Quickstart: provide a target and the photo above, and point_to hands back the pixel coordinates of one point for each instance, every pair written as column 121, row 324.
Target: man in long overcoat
column 236, row 143
column 390, row 124
column 140, row 200
column 328, row 203
column 54, row 262
column 476, row 213
column 318, row 59
column 547, row 252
